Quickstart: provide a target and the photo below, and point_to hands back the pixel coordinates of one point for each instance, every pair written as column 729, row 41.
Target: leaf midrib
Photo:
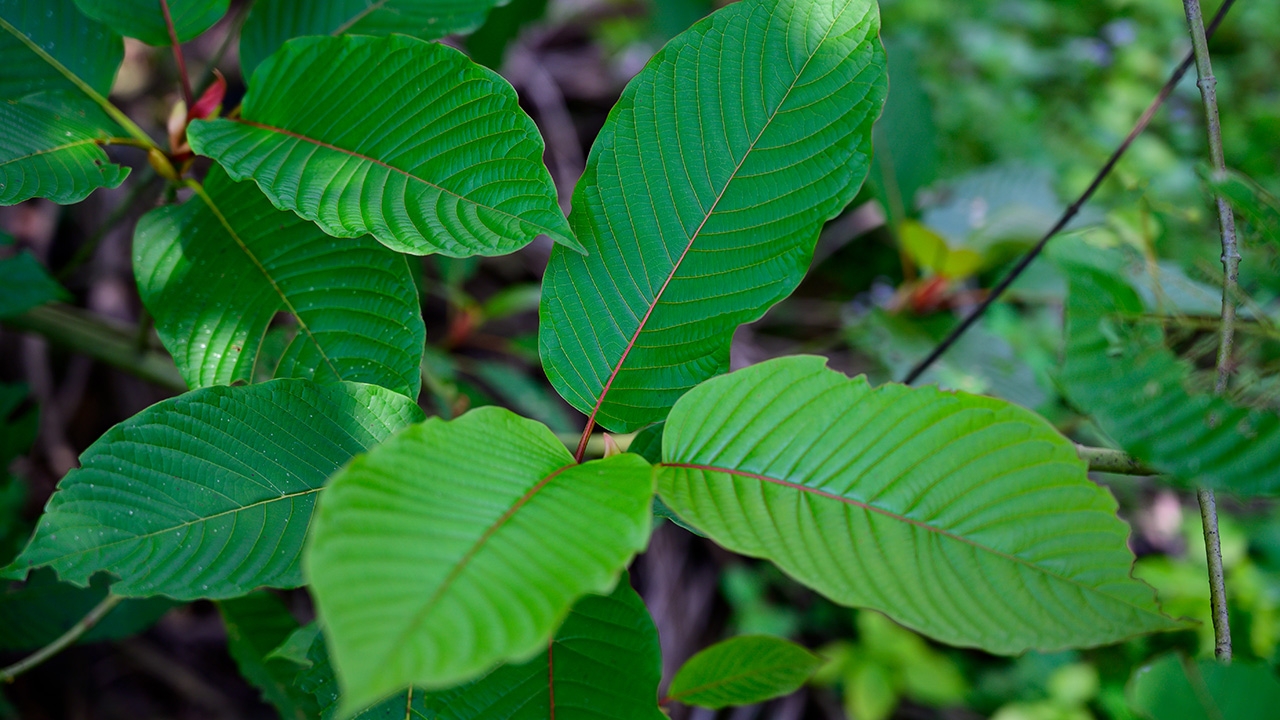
column 47, row 151
column 657, row 298
column 911, row 521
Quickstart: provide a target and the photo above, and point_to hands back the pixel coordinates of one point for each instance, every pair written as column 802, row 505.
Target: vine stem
column 85, row 624
column 1070, row 212
column 1230, row 291
column 187, row 95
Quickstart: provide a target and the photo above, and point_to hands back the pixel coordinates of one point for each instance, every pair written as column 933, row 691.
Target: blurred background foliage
column 999, row 114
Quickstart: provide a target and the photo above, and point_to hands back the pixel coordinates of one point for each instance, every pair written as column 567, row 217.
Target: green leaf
column 458, row 545
column 703, row 198
column 26, row 284
column 742, row 671
column 257, row 624
column 406, row 140
column 144, row 19
column 297, row 645
column 963, row 517
column 488, row 44
column 215, row 271
column 80, row 47
column 49, row 148
column 1174, row 688
column 38, row 612
column 209, row 495
column 1123, row 375
column 272, row 22
column 603, row 662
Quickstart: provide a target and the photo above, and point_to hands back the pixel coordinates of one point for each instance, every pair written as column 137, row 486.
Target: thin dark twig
column 187, row 95
column 1070, row 213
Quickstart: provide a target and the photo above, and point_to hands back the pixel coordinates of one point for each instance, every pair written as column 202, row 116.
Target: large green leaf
column 144, row 19
column 963, row 517
column 403, row 139
column 1174, row 688
column 1122, row 373
column 459, row 545
column 256, row 625
column 41, row 610
column 272, row 22
column 34, row 35
column 703, row 198
column 604, row 663
column 742, row 671
column 50, row 148
column 26, row 284
column 215, row 271
column 209, row 495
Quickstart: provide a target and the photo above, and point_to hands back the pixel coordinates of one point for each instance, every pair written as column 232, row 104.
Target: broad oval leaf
column 50, row 148
column 209, row 495
column 272, row 22
column 1123, row 374
column 406, row 140
column 742, row 671
column 703, row 198
column 44, row 44
column 963, row 517
column 215, row 271
column 144, row 19
column 604, row 662
column 459, row 545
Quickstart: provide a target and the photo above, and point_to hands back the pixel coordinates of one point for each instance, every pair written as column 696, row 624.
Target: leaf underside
column 459, row 545
column 743, row 671
column 209, row 495
column 215, row 271
column 703, row 198
column 406, row 140
column 963, row 517
column 144, row 19
column 49, row 149
column 87, row 49
column 1135, row 388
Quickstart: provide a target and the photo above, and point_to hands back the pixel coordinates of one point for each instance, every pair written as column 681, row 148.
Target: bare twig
column 67, row 638
column 1067, row 216
column 1111, row 461
column 1230, row 291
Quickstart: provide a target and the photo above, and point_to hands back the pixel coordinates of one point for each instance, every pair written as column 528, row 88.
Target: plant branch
column 1068, row 215
column 67, row 638
column 1230, row 291
column 92, row 336
column 187, row 95
column 1111, row 461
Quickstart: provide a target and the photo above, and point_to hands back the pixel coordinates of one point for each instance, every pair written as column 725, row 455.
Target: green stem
column 97, row 338
column 1116, row 462
column 594, row 446
column 1230, row 291
column 115, row 112
column 67, row 638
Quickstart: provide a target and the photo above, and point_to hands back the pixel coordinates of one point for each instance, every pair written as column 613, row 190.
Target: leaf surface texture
column 82, row 47
column 49, row 149
column 144, row 19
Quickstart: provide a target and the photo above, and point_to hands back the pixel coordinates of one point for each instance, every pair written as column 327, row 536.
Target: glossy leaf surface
column 144, row 19
column 209, row 495
column 406, row 140
column 743, row 671
column 1124, row 375
column 1175, row 688
column 459, row 545
column 215, row 271
column 272, row 22
column 604, row 664
column 44, row 42
column 966, row 518
column 49, row 148
column 703, row 198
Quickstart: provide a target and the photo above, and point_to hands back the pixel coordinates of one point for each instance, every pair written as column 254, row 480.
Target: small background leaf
column 26, row 283
column 144, row 20
column 742, row 671
column 37, row 612
column 1174, row 688
column 256, row 624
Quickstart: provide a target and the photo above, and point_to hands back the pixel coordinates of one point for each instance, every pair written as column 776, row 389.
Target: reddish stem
column 187, row 95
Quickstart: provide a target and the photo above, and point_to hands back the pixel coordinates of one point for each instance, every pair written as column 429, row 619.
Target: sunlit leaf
column 742, row 671
column 144, row 19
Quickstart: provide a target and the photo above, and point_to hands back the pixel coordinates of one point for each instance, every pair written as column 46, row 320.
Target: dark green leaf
column 1174, row 688
column 742, row 671
column 488, row 44
column 49, row 148
column 26, row 284
column 36, row 613
column 216, row 270
column 459, row 545
column 406, row 140
column 703, row 198
column 297, row 645
column 81, row 47
column 209, row 495
column 256, row 624
column 144, row 19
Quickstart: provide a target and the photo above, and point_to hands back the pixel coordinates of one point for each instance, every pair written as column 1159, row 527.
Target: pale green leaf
column 144, row 19
column 703, row 198
column 1174, row 688
column 49, row 148
column 1122, row 373
column 215, row 271
column 26, row 284
column 459, row 545
column 209, row 495
column 272, row 22
column 403, row 139
column 83, row 48
column 742, row 671
column 603, row 664
column 963, row 517
column 256, row 624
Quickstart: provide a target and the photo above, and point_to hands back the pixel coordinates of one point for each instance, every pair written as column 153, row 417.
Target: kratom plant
column 476, row 567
